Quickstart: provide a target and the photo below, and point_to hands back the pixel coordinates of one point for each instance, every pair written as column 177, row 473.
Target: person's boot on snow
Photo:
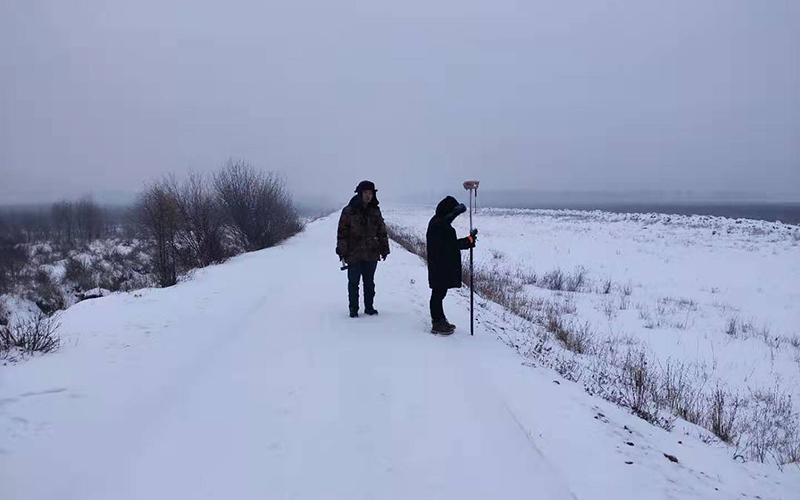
column 444, row 259
column 442, row 327
column 361, row 240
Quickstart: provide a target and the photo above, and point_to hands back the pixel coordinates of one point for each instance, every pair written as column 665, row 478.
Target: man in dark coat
column 444, row 259
column 360, row 241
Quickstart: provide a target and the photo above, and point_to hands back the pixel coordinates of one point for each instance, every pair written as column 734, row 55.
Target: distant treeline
column 64, row 222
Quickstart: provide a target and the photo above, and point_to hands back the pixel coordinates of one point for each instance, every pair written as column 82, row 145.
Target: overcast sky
column 100, row 96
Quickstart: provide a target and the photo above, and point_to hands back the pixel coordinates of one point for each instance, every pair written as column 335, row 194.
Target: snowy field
column 719, row 297
column 250, row 381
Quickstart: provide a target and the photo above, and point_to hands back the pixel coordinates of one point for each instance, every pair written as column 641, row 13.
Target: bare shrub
column 79, row 274
column 46, row 293
column 607, row 285
column 531, row 308
column 663, row 315
column 497, row 254
column 580, row 339
column 661, row 312
column 526, row 277
column 647, row 316
column 131, row 274
column 554, row 280
column 495, row 285
column 624, row 302
column 737, row 327
column 681, row 391
column 257, row 205
column 158, row 218
column 563, row 306
column 37, row 334
column 201, row 227
column 625, row 378
column 772, row 427
column 609, row 309
column 638, row 385
column 723, row 414
column 732, row 326
column 554, row 324
column 576, row 281
column 627, row 289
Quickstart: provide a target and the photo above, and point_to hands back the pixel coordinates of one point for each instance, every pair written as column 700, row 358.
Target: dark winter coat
column 444, row 249
column 362, row 232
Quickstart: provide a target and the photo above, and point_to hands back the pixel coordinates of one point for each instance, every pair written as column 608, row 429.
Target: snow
column 689, row 276
column 250, row 381
column 17, row 309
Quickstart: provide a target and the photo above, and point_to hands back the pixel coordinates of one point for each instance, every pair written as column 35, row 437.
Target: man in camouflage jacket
column 360, row 241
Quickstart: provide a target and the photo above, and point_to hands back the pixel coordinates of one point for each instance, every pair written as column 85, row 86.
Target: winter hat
column 365, row 185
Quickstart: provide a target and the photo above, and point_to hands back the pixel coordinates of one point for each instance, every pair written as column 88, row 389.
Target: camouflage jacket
column 362, row 232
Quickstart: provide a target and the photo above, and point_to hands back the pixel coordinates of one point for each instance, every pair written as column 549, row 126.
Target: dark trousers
column 437, row 309
column 362, row 269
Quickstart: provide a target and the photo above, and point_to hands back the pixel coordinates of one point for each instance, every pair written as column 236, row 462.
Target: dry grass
column 760, row 426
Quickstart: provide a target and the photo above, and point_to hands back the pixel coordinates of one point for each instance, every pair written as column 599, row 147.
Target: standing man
column 361, row 240
column 444, row 259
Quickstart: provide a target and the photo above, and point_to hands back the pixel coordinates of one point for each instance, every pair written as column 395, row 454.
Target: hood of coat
column 446, row 206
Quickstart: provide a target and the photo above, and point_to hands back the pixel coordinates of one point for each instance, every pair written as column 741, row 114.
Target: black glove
column 473, row 238
column 383, row 256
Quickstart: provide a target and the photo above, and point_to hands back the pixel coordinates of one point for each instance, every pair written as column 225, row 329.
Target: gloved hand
column 383, row 256
column 473, row 236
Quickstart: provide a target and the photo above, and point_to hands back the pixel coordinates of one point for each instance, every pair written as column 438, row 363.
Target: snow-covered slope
column 250, row 381
column 721, row 295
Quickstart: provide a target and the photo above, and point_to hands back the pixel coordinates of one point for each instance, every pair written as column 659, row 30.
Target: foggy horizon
column 625, row 97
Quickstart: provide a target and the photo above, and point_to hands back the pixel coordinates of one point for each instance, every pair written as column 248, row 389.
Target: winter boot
column 442, row 327
column 371, row 311
column 449, row 325
column 353, row 313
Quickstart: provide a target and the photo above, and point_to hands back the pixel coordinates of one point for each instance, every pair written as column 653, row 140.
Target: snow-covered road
column 305, row 402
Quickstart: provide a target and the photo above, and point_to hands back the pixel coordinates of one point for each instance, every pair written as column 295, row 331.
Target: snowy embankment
column 713, row 304
column 250, row 381
column 53, row 277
